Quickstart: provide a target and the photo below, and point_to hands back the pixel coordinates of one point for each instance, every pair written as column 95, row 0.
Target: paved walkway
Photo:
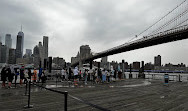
column 125, row 95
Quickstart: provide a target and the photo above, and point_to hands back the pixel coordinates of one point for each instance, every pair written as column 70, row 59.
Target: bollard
column 65, row 104
column 28, row 105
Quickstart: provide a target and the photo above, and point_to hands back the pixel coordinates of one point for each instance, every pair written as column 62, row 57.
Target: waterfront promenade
column 125, row 95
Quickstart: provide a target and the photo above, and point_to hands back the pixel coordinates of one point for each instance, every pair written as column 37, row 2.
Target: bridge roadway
column 171, row 35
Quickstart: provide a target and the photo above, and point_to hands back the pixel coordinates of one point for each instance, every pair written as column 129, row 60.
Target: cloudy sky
column 102, row 24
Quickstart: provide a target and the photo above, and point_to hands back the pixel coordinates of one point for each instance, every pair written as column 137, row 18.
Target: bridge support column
column 123, row 68
column 130, row 75
column 90, row 64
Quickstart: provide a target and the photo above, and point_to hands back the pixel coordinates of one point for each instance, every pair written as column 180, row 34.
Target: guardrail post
column 28, row 105
column 65, row 102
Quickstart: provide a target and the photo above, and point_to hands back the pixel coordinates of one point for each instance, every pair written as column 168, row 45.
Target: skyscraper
column 19, row 45
column 3, row 53
column 157, row 60
column 0, row 39
column 8, row 41
column 12, row 56
column 36, row 56
column 45, row 46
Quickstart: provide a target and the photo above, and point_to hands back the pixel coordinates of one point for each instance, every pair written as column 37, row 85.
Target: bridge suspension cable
column 158, row 21
column 169, row 22
column 162, row 18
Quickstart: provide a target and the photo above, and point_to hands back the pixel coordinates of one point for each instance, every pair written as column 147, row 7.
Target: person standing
column 40, row 74
column 10, row 76
column 115, row 74
column 76, row 75
column 43, row 77
column 103, row 76
column 85, row 76
column 34, row 75
column 16, row 75
column 21, row 76
column 66, row 74
column 29, row 74
column 3, row 76
column 108, row 76
column 63, row 74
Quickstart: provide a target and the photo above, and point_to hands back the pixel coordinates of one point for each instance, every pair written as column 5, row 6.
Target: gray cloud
column 100, row 23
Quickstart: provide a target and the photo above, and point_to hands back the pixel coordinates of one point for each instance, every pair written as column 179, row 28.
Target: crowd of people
column 10, row 73
column 94, row 75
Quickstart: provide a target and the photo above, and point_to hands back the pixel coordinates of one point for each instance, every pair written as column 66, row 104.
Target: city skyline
column 88, row 27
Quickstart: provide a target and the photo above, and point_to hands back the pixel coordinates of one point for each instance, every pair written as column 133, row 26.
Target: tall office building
column 8, row 40
column 136, row 65
column 19, row 45
column 8, row 43
column 3, row 53
column 45, row 46
column 157, row 60
column 12, row 56
column 36, row 56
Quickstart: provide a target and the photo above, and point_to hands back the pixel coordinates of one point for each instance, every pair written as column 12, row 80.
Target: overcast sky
column 102, row 24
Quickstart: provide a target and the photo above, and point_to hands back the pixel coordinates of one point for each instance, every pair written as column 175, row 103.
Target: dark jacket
column 3, row 74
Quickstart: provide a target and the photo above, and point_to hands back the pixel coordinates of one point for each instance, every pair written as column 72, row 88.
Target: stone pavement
column 125, row 95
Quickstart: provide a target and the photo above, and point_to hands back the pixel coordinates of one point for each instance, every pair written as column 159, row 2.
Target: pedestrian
column 26, row 76
column 16, row 75
column 103, row 76
column 115, row 74
column 43, row 77
column 66, row 75
column 85, row 75
column 3, row 76
column 76, row 76
column 21, row 76
column 119, row 74
column 10, row 76
column 40, row 73
column 70, row 72
column 108, row 75
column 34, row 75
column 62, row 74
column 29, row 74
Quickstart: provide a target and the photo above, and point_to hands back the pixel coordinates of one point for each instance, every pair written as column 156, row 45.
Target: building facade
column 45, row 46
column 136, row 65
column 19, row 45
column 12, row 56
column 3, row 53
column 157, row 60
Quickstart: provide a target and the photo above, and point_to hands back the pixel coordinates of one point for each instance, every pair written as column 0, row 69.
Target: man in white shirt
column 76, row 75
column 63, row 74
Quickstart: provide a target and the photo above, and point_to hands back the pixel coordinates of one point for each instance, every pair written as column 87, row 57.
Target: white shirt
column 62, row 72
column 76, row 71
